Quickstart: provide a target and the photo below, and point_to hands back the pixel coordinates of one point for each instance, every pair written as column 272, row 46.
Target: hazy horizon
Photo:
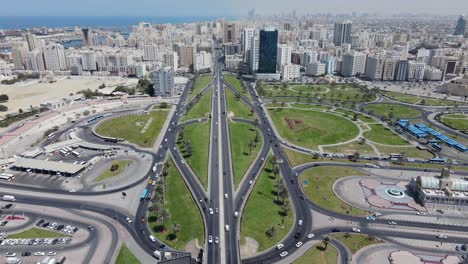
column 226, row 8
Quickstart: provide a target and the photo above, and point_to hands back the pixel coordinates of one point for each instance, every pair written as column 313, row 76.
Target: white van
column 151, row 237
column 9, row 198
column 226, row 228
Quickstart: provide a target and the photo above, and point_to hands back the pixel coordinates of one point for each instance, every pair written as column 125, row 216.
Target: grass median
column 237, row 107
column 237, row 84
column 383, row 135
column 182, row 211
column 117, row 168
column 318, row 182
column 201, row 108
column 199, row 83
column 241, row 136
column 37, row 233
column 126, row 256
column 355, row 241
column 396, row 111
column 263, row 212
column 135, row 128
column 319, row 255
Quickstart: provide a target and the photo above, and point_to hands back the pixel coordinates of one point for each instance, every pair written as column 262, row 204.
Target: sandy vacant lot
column 22, row 95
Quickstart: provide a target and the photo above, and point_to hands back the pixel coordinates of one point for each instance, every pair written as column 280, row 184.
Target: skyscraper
column 86, row 36
column 254, row 54
column 151, row 52
column 246, row 42
column 163, row 79
column 342, row 33
column 353, row 64
column 88, row 59
column 460, row 29
column 284, row 56
column 54, row 57
column 402, row 71
column 229, row 32
column 268, row 50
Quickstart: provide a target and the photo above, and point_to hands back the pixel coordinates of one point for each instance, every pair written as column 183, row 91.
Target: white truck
column 9, row 198
column 157, row 254
column 13, row 260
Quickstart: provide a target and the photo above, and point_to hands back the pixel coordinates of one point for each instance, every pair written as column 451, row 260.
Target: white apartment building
column 290, row 71
column 432, row 74
column 20, row 53
column 375, row 67
column 316, row 69
column 35, row 61
column 163, row 79
column 151, row 52
column 171, row 59
column 283, row 56
column 54, row 57
column 202, row 61
column 254, row 54
column 416, row 71
column 353, row 64
column 88, row 60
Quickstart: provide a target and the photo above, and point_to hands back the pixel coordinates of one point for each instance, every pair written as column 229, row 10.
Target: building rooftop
column 48, row 165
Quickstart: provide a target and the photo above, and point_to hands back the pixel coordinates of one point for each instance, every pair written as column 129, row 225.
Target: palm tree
column 175, row 228
column 286, row 207
column 275, row 170
column 256, row 123
column 326, row 241
column 251, row 145
column 164, row 215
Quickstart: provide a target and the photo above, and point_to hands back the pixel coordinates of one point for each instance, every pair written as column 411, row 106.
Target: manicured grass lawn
column 336, row 93
column 350, row 148
column 199, row 83
column 411, row 152
column 456, row 121
column 312, row 128
column 317, row 255
column 406, row 98
column 317, row 184
column 241, row 134
column 126, row 256
column 399, row 111
column 198, row 136
column 263, row 212
column 355, row 242
column 201, row 108
column 439, row 102
column 236, row 106
column 297, row 158
column 420, row 100
column 122, row 164
column 130, row 127
column 310, row 106
column 182, row 210
column 237, row 84
column 383, row 135
column 350, row 115
column 37, row 233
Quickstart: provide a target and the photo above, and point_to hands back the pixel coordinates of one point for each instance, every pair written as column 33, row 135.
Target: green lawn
column 317, row 184
column 350, row 148
column 317, row 255
column 355, row 242
column 182, row 210
column 420, row 100
column 198, row 136
column 37, row 233
column 237, row 84
column 241, row 134
column 383, row 135
column 199, row 83
column 311, row 106
column 130, row 128
column 237, row 106
column 456, row 121
column 297, row 158
column 122, row 165
column 398, row 111
column 350, row 115
column 312, row 128
column 410, row 99
column 263, row 212
column 201, row 108
column 126, row 256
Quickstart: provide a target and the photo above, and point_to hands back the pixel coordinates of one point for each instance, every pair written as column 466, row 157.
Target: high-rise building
column 172, row 60
column 185, row 54
column 402, row 71
column 290, row 71
column 374, row 67
column 449, row 65
column 254, row 54
column 202, row 61
column 353, row 64
column 33, row 43
column 268, row 50
column 54, row 57
column 229, row 32
column 163, row 79
column 151, row 52
column 416, row 71
column 284, row 56
column 460, row 29
column 87, row 36
column 329, row 66
column 316, row 69
column 20, row 53
column 342, row 33
column 389, row 69
column 88, row 60
column 140, row 70
column 246, row 42
column 35, row 61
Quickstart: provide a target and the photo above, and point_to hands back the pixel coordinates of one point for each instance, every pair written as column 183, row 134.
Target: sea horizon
column 25, row 22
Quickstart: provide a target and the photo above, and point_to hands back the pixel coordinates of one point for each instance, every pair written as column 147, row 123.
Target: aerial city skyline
column 233, row 132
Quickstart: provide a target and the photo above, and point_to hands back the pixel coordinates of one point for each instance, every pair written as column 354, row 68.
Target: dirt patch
column 231, row 114
column 249, row 248
column 192, row 247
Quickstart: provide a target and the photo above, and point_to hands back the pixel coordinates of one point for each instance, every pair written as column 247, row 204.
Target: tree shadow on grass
column 321, row 248
column 152, row 218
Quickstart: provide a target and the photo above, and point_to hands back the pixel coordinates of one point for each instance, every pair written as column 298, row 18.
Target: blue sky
column 221, row 7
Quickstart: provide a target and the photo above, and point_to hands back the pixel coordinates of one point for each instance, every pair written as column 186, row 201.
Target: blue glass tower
column 268, row 49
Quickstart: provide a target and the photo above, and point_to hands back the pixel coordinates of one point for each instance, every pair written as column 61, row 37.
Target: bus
column 76, row 153
column 7, row 177
column 143, row 195
column 395, row 155
column 436, row 160
column 63, row 153
column 51, row 135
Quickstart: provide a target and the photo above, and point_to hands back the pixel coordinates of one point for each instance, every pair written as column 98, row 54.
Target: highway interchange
column 221, row 184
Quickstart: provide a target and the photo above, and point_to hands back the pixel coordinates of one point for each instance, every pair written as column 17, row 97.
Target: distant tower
column 86, row 37
column 460, row 29
column 342, row 33
column 268, row 49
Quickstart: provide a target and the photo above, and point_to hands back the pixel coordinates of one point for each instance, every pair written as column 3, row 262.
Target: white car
column 72, row 190
column 300, row 222
column 211, row 211
column 310, row 236
column 216, row 240
column 283, row 254
column 225, row 196
column 279, row 246
column 299, row 244
column 210, row 239
column 128, row 220
column 153, row 183
column 39, row 253
column 250, row 182
column 421, row 213
column 392, row 223
column 52, row 253
column 236, row 214
column 442, row 236
column 10, row 254
column 356, row 230
column 182, row 161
